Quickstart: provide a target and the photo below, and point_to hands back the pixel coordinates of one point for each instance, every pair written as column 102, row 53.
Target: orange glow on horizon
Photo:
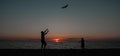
column 56, row 40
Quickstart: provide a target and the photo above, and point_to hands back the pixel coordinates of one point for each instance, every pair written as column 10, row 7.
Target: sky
column 91, row 19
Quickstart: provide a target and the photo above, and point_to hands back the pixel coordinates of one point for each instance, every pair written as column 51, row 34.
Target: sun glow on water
column 56, row 40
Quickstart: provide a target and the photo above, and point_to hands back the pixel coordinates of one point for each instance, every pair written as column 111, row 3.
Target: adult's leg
column 42, row 44
column 45, row 45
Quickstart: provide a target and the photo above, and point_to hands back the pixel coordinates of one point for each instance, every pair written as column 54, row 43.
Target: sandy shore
column 62, row 52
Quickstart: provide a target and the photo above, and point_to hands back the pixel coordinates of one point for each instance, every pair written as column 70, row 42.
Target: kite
column 64, row 6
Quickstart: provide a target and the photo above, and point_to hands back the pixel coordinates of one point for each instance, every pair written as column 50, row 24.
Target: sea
column 58, row 45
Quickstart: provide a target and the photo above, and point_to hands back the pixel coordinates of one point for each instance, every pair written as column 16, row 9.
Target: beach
column 61, row 52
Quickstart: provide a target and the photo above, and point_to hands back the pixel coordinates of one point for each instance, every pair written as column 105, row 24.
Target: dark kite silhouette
column 64, row 6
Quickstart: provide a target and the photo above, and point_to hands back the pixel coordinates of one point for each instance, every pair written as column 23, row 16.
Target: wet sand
column 61, row 52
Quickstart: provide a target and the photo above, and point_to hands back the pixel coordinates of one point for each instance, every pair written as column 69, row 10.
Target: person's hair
column 41, row 31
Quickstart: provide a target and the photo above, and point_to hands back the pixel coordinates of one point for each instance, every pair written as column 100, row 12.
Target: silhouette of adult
column 82, row 43
column 43, row 42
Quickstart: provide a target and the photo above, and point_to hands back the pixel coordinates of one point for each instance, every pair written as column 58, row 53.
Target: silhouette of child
column 82, row 43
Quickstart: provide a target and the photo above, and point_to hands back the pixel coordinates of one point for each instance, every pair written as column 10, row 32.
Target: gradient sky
column 83, row 18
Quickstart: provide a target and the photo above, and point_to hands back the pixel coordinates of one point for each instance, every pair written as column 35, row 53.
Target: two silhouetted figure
column 82, row 43
column 43, row 42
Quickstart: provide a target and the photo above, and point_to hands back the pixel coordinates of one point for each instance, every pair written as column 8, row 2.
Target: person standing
column 82, row 43
column 43, row 42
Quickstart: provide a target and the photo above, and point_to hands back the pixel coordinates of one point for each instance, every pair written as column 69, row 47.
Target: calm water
column 59, row 45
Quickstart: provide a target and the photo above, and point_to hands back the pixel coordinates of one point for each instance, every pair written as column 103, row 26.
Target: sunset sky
column 91, row 19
